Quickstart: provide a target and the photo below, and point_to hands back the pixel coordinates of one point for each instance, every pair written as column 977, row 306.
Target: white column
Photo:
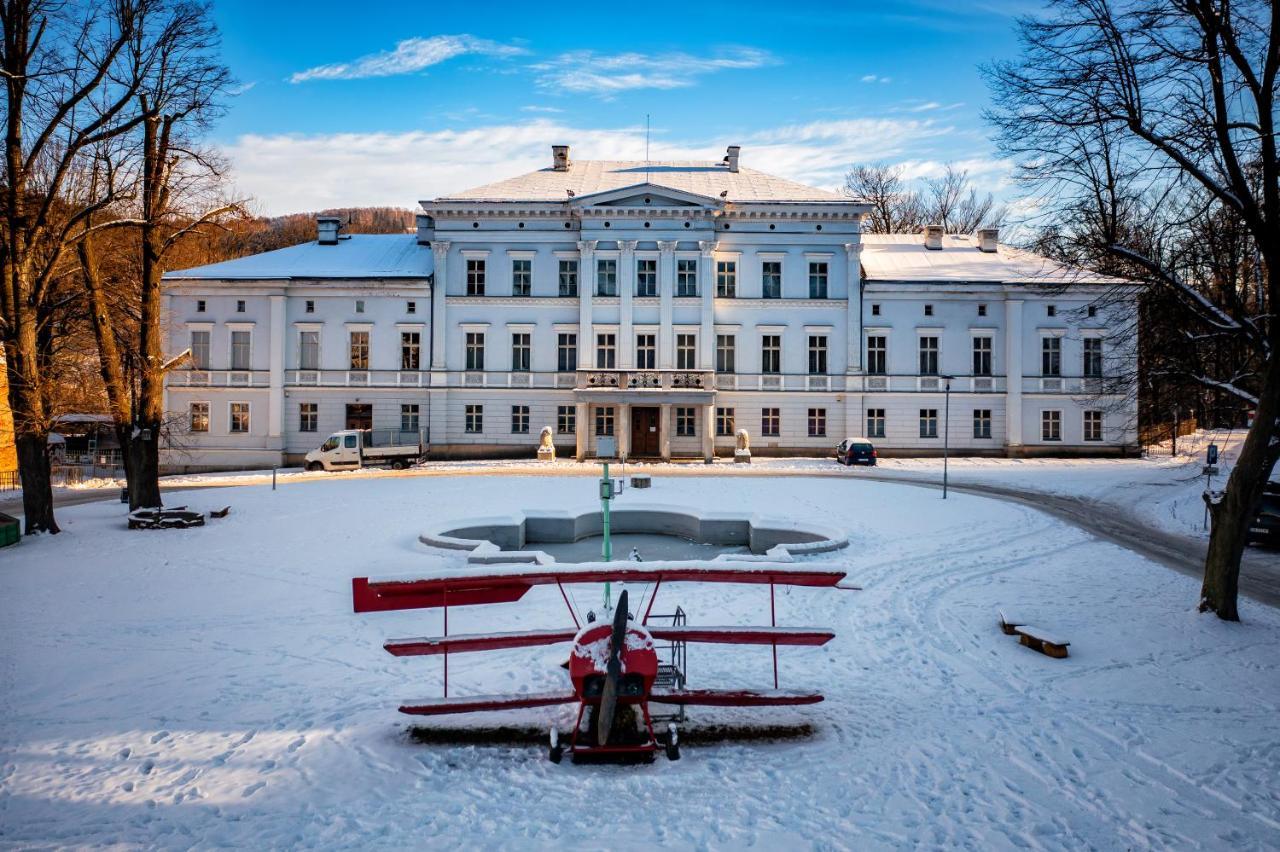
column 666, row 292
column 439, row 287
column 275, row 416
column 622, row 430
column 709, row 433
column 581, row 414
column 586, row 289
column 626, row 290
column 707, row 289
column 853, row 330
column 1013, row 372
column 667, row 428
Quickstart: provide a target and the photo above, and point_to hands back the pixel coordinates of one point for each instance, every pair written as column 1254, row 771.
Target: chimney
column 560, row 158
column 731, row 157
column 988, row 239
column 426, row 229
column 933, row 237
column 327, row 230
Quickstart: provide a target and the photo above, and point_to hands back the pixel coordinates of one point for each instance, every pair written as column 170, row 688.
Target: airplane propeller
column 613, row 672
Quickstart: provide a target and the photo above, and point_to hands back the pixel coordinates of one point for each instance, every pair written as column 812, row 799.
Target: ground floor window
column 239, row 417
column 817, row 422
column 199, row 417
column 1051, row 425
column 308, row 416
column 409, row 418
column 474, row 419
column 982, row 423
column 1093, row 425
column 724, row 421
column 875, row 422
column 686, row 422
column 566, row 419
column 770, row 422
column 519, row 420
column 604, row 420
column 928, row 423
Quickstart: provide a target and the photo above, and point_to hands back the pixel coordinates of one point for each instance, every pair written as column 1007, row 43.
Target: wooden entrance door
column 645, row 437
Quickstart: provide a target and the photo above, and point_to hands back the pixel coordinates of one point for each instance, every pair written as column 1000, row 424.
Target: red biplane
column 613, row 664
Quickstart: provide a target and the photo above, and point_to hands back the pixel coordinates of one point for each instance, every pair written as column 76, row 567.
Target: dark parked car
column 855, row 451
column 1265, row 527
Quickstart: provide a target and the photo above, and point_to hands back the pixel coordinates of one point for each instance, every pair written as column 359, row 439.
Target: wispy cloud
column 537, row 108
column 412, row 54
column 242, row 88
column 587, row 72
column 875, row 78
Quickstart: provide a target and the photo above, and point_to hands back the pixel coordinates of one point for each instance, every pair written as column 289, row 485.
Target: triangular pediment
column 646, row 195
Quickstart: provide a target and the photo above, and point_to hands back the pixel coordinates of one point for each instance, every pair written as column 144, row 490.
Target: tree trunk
column 144, row 464
column 37, row 487
column 31, row 429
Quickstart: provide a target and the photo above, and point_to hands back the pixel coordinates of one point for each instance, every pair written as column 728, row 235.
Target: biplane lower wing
column 744, row 635
column 507, row 583
column 476, row 642
column 736, row 697
column 485, row 703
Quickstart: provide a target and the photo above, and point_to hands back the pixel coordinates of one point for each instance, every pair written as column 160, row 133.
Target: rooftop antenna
column 646, row 146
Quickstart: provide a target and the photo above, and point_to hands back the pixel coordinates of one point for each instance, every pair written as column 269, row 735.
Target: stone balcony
column 694, row 380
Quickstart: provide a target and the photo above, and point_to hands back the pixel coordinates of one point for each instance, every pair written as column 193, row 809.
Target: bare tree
column 953, row 202
column 1157, row 117
column 895, row 209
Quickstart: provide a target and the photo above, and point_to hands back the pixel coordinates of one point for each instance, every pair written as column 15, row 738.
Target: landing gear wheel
column 557, row 750
column 314, row 466
column 673, row 742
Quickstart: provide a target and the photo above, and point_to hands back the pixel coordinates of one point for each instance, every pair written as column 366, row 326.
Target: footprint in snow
column 147, row 766
column 160, row 736
column 253, row 788
column 297, row 744
column 124, row 753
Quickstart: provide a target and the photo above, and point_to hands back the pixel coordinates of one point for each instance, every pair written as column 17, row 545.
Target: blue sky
column 378, row 103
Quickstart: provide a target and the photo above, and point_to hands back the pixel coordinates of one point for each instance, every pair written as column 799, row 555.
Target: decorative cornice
column 827, row 304
column 535, row 301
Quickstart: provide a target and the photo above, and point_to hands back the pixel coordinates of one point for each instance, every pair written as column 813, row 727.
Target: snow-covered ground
column 212, row 687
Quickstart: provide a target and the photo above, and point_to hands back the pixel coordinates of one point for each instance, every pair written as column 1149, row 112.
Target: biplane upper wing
column 506, row 583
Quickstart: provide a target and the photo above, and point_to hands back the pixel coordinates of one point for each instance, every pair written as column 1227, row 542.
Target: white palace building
column 666, row 304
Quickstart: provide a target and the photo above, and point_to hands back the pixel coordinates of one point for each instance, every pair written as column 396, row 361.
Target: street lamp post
column 946, row 432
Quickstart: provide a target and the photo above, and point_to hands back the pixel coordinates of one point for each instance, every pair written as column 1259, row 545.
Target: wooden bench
column 1009, row 624
column 1042, row 641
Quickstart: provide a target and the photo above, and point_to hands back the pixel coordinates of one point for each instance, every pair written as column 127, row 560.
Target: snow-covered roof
column 585, row 177
column 903, row 257
column 355, row 256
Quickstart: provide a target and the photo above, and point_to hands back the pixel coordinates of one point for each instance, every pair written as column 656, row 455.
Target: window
column 409, row 418
column 726, row 279
column 239, row 306
column 566, row 352
column 928, row 356
column 1093, row 357
column 474, row 419
column 686, row 422
column 982, row 356
column 239, row 417
column 604, row 420
column 475, row 350
column 1093, row 311
column 928, row 423
column 686, row 351
column 770, row 422
column 726, row 347
column 646, row 277
column 771, row 279
column 241, row 346
column 475, row 276
column 686, row 277
column 1093, row 425
column 646, row 351
column 199, row 306
column 606, row 352
column 200, row 350
column 566, row 419
column 521, row 277
column 982, row 423
column 310, row 307
column 928, row 310
column 1051, row 310
column 771, row 353
column 410, row 307
column 199, row 417
column 818, row 280
column 875, row 310
column 520, row 351
column 569, row 278
column 410, row 350
column 1051, row 356
column 724, row 422
column 606, row 277
column 1051, row 425
column 875, row 422
column 817, row 422
column 817, row 354
column 982, row 310
column 359, row 306
column 308, row 416
column 877, row 354
column 308, row 350
column 519, row 420
column 359, row 350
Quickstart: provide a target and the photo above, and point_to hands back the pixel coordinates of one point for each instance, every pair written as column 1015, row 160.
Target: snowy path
column 211, row 686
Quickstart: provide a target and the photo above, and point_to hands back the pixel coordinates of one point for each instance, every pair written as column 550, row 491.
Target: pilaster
column 439, row 286
column 275, row 418
column 586, row 290
column 581, row 413
column 1013, row 372
column 707, row 290
column 666, row 292
column 626, row 291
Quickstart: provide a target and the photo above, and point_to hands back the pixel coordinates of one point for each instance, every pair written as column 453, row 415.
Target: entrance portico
column 642, row 404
